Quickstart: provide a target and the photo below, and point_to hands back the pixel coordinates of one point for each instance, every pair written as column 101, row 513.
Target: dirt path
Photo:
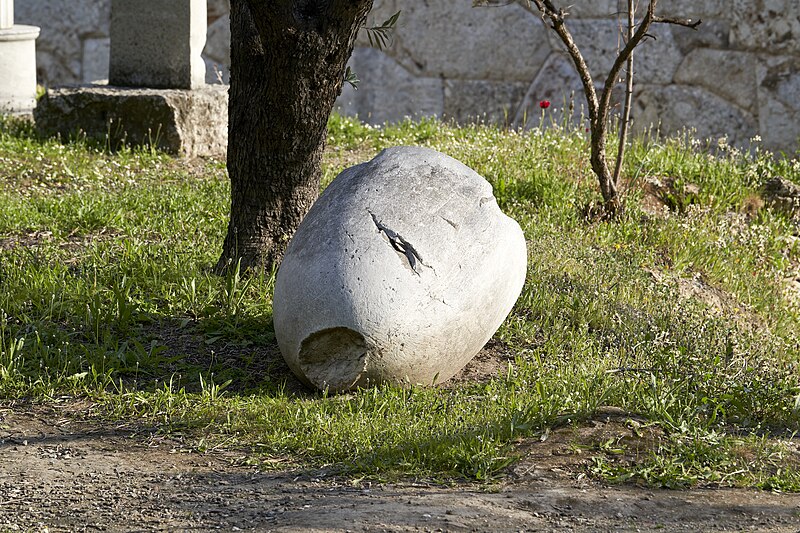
column 61, row 475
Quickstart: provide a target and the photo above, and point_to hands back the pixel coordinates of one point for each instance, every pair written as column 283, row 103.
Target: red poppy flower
column 544, row 104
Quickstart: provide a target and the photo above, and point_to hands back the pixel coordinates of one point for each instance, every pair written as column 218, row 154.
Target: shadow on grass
column 241, row 356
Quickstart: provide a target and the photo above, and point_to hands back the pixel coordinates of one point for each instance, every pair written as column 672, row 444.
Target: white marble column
column 6, row 14
column 17, row 63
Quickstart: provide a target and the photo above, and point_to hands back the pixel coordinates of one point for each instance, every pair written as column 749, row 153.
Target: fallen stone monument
column 401, row 272
column 156, row 93
column 184, row 122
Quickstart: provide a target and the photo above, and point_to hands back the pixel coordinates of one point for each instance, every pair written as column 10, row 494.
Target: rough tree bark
column 288, row 59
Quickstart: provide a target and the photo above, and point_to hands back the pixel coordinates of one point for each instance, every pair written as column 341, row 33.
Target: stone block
column 495, row 102
column 158, row 43
column 400, row 273
column 94, row 63
column 557, row 82
column 610, row 9
column 185, row 122
column 218, row 41
column 734, row 76
column 451, row 39
column 18, row 65
column 217, row 52
column 381, row 11
column 712, row 33
column 675, row 108
column 655, row 60
column 768, row 25
column 387, row 91
column 217, row 9
column 591, row 9
column 694, row 9
column 778, row 81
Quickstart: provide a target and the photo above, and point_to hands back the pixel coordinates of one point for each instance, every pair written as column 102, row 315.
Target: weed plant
column 685, row 317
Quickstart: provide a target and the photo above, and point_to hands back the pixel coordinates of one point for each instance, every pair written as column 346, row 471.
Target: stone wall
column 738, row 75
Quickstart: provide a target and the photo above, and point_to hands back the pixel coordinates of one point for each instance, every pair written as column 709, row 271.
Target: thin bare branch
column 688, row 23
column 622, row 59
column 626, row 109
column 557, row 16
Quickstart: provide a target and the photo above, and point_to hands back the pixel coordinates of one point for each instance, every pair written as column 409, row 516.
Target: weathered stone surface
column 158, row 43
column 73, row 46
column 734, row 75
column 218, row 41
column 65, row 24
column 94, row 63
column 780, row 75
column 18, row 68
column 449, row 51
column 592, row 9
column 430, row 40
column 381, row 11
column 217, row 52
column 714, row 33
column 779, row 122
column 675, row 108
column 482, row 101
column 186, row 122
column 401, row 272
column 779, row 108
column 695, row 9
column 655, row 61
column 388, row 91
column 217, row 9
column 557, row 80
column 771, row 25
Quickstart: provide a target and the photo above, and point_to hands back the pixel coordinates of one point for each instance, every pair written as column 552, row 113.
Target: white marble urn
column 401, row 272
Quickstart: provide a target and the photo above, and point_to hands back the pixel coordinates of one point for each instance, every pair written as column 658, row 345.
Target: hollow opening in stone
column 334, row 358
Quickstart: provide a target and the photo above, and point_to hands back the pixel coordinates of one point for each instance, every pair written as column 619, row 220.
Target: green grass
column 683, row 317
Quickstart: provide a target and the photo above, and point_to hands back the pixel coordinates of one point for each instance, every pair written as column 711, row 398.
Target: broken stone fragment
column 401, row 272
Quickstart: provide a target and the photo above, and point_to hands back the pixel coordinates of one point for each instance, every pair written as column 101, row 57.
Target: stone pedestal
column 183, row 122
column 158, row 43
column 157, row 94
column 17, row 63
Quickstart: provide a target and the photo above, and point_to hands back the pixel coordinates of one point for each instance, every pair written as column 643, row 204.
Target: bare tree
column 600, row 104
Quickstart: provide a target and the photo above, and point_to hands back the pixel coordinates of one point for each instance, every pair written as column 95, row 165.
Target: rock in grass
column 782, row 195
column 401, row 272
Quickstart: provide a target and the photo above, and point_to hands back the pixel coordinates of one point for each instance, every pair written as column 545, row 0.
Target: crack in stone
column 400, row 245
column 455, row 226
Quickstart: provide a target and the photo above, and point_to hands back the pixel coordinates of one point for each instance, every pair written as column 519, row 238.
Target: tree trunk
column 288, row 59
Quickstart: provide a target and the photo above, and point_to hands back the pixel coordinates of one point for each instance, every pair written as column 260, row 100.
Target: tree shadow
column 192, row 352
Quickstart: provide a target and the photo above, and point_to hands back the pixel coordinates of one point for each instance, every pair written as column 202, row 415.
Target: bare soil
column 60, row 473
